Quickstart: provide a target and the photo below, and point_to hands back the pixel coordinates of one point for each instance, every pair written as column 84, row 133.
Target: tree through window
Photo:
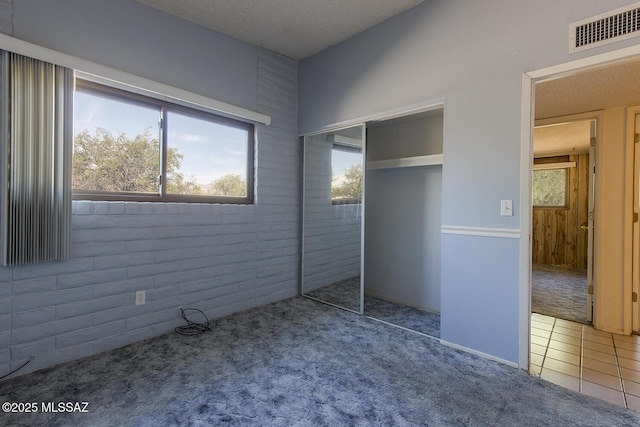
column 550, row 188
column 130, row 147
column 346, row 174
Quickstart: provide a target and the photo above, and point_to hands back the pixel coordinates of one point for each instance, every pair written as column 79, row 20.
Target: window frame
column 90, row 87
column 349, row 149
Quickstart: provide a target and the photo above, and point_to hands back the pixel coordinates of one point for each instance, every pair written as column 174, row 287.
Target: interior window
column 205, row 157
column 116, row 145
column 550, row 188
column 131, row 147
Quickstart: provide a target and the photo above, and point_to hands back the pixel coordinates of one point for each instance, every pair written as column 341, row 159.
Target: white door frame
column 591, row 189
column 633, row 150
column 526, row 154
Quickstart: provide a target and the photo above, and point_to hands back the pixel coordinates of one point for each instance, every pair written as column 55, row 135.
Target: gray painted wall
column 132, row 37
column 6, row 15
column 403, row 208
column 218, row 258
column 331, row 232
column 473, row 54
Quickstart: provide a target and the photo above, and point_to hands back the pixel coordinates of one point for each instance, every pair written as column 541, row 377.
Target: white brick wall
column 219, row 258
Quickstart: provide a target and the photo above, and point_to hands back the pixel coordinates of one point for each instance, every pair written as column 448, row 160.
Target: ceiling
column 596, row 89
column 297, row 28
column 565, row 138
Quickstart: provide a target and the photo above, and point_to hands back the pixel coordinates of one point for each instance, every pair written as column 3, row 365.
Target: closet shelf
column 406, row 162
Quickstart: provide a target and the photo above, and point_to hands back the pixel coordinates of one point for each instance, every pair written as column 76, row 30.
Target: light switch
column 506, row 207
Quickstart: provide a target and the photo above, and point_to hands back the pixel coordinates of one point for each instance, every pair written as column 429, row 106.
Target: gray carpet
column 402, row 315
column 346, row 293
column 559, row 292
column 301, row 363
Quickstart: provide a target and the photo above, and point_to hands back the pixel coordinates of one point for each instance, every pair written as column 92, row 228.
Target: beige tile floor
column 592, row 362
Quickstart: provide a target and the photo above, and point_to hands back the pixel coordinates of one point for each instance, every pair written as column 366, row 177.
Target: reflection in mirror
column 332, row 218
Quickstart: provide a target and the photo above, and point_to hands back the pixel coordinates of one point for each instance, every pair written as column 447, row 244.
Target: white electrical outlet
column 141, row 297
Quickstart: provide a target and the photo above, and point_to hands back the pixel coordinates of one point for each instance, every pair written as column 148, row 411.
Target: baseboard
column 479, row 353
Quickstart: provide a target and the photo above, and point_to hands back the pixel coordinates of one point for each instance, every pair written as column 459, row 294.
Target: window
column 131, row 147
column 550, row 188
column 346, row 174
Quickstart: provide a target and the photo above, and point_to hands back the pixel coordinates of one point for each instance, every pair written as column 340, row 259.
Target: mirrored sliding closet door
column 332, row 267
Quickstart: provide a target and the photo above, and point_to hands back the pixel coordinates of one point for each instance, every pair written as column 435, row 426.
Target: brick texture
column 218, row 258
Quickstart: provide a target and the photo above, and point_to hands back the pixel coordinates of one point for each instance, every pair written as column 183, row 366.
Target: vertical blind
column 37, row 146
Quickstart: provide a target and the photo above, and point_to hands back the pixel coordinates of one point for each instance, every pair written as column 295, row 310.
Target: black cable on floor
column 17, row 369
column 193, row 328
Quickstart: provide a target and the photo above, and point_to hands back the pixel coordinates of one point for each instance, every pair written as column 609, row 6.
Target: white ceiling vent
column 609, row 27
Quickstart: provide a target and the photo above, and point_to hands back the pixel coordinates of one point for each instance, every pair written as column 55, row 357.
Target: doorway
column 561, row 231
column 606, row 87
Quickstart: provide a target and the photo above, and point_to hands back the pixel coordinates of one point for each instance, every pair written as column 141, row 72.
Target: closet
column 403, row 193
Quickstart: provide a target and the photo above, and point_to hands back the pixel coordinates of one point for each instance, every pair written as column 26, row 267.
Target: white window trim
column 151, row 87
column 549, row 166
